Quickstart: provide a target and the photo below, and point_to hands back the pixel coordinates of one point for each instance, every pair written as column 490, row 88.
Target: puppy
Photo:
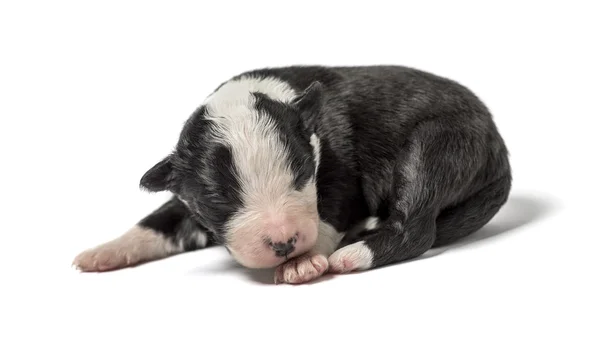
column 315, row 169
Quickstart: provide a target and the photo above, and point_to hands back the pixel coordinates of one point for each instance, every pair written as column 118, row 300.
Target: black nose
column 283, row 249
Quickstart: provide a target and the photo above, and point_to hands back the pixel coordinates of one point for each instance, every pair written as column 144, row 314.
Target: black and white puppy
column 313, row 169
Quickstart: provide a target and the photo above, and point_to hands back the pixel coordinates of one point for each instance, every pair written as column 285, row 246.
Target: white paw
column 353, row 257
column 106, row 257
column 301, row 269
column 135, row 246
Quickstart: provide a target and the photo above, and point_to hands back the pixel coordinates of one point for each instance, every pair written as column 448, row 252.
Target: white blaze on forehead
column 238, row 91
column 258, row 153
column 260, row 157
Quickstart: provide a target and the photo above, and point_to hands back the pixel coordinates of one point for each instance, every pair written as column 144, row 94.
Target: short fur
column 412, row 157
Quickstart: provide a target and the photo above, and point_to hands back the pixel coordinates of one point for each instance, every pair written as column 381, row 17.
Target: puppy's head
column 245, row 166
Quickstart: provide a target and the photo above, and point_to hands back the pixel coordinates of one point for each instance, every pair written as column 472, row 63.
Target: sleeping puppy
column 317, row 170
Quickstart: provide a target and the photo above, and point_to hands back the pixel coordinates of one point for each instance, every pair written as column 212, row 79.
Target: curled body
column 314, row 169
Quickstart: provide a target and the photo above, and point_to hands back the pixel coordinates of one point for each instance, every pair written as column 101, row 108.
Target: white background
column 94, row 93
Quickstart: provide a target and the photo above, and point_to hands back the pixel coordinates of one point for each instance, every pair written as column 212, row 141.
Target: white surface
column 91, row 96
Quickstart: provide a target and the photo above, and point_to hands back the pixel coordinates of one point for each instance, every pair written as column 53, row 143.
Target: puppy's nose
column 283, row 249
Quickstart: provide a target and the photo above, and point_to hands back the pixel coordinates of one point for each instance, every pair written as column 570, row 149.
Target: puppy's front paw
column 302, row 269
column 138, row 245
column 106, row 257
column 353, row 257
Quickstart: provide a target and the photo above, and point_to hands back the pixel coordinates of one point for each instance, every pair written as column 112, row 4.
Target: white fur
column 353, row 257
column 301, row 269
column 315, row 142
column 201, row 239
column 371, row 223
column 237, row 92
column 412, row 168
column 136, row 245
column 183, row 201
column 328, row 239
column 314, row 263
column 272, row 209
column 259, row 155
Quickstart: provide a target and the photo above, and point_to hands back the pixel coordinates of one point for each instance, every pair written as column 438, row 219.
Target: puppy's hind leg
column 436, row 166
column 167, row 231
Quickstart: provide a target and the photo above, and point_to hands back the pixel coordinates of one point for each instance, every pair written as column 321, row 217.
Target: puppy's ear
column 309, row 104
column 158, row 177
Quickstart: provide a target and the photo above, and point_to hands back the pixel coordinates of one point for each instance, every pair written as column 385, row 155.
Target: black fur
column 174, row 221
column 418, row 151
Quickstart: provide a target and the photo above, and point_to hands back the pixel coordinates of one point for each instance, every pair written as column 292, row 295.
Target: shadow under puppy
column 316, row 169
